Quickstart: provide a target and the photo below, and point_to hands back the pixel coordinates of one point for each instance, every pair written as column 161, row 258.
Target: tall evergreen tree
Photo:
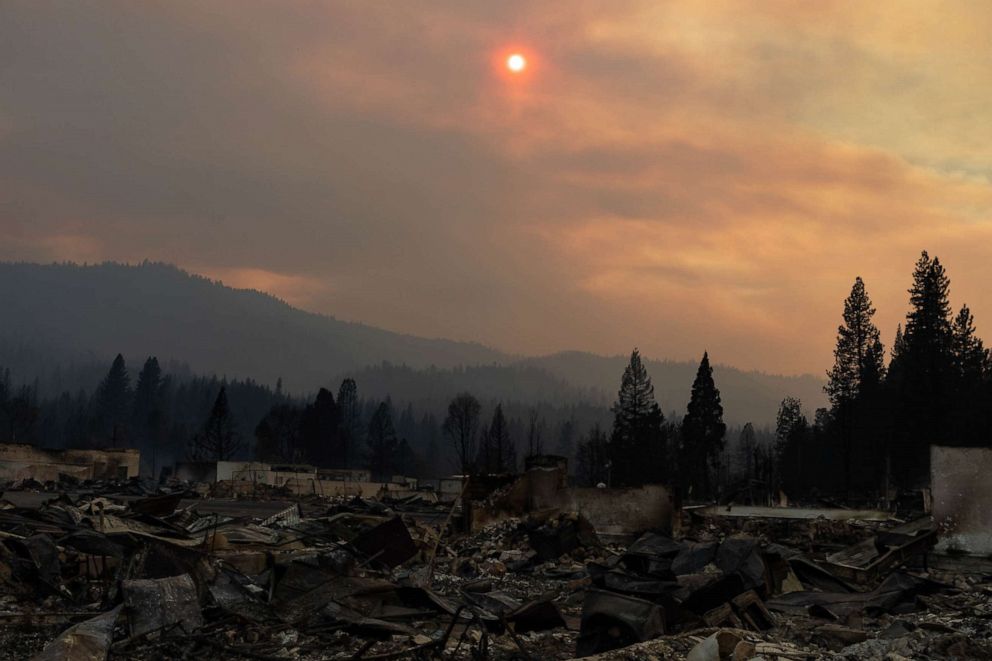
column 858, row 357
column 320, row 432
column 382, row 443
column 497, row 452
column 219, row 439
column 898, row 346
column 859, row 365
column 791, row 435
column 968, row 354
column 113, row 404
column 638, row 444
column 922, row 379
column 970, row 361
column 703, row 432
column 148, row 417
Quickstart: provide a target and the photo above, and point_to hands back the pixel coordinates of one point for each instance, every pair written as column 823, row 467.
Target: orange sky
column 679, row 176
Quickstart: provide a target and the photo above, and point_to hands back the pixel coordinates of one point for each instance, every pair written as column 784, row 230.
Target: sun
column 516, row 63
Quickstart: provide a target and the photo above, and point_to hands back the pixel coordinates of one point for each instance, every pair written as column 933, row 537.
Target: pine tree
column 928, row 325
column 703, row 432
column 968, row 353
column 320, row 432
column 382, row 443
column 923, row 379
column 638, row 444
column 148, row 417
column 113, row 403
column 859, row 366
column 970, row 360
column 859, row 356
column 497, row 452
column 791, row 432
column 898, row 346
column 219, row 439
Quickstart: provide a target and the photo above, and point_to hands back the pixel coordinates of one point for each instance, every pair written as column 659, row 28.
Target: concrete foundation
column 961, row 488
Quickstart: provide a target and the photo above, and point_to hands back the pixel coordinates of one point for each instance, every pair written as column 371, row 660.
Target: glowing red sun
column 516, row 63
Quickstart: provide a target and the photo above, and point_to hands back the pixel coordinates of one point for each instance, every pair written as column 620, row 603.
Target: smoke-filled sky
column 674, row 175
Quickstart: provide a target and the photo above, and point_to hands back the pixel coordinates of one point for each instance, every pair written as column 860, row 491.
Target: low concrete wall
column 611, row 511
column 195, row 471
column 623, row 511
column 961, row 487
column 18, row 461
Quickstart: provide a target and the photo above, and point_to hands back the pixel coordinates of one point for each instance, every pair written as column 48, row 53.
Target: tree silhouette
column 535, row 431
column 320, row 432
column 970, row 365
column 277, row 435
column 921, row 376
column 350, row 419
column 382, row 444
column 592, row 459
column 638, row 445
column 149, row 416
column 113, row 403
column 702, row 432
column 747, row 446
column 858, row 356
column 854, row 380
column 791, row 435
column 461, row 427
column 219, row 439
column 497, row 452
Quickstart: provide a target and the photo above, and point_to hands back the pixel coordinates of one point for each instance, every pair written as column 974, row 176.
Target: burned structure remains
column 106, row 566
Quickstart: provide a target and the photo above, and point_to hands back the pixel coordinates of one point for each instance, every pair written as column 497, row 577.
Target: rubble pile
column 91, row 577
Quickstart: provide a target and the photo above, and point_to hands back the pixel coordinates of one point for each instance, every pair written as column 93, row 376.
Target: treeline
column 157, row 413
column 177, row 416
column 935, row 388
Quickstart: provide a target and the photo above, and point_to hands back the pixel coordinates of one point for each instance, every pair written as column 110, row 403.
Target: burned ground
column 129, row 571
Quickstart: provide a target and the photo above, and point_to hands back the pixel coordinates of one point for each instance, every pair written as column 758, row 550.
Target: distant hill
column 62, row 317
column 63, row 312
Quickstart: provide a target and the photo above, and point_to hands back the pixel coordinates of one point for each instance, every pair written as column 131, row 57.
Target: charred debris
column 514, row 567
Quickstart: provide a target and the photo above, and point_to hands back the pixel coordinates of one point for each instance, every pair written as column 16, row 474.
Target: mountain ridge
column 66, row 313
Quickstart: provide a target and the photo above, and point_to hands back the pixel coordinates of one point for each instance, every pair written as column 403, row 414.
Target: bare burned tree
column 461, row 427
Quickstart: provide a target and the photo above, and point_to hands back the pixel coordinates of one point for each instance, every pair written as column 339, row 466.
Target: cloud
column 678, row 177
